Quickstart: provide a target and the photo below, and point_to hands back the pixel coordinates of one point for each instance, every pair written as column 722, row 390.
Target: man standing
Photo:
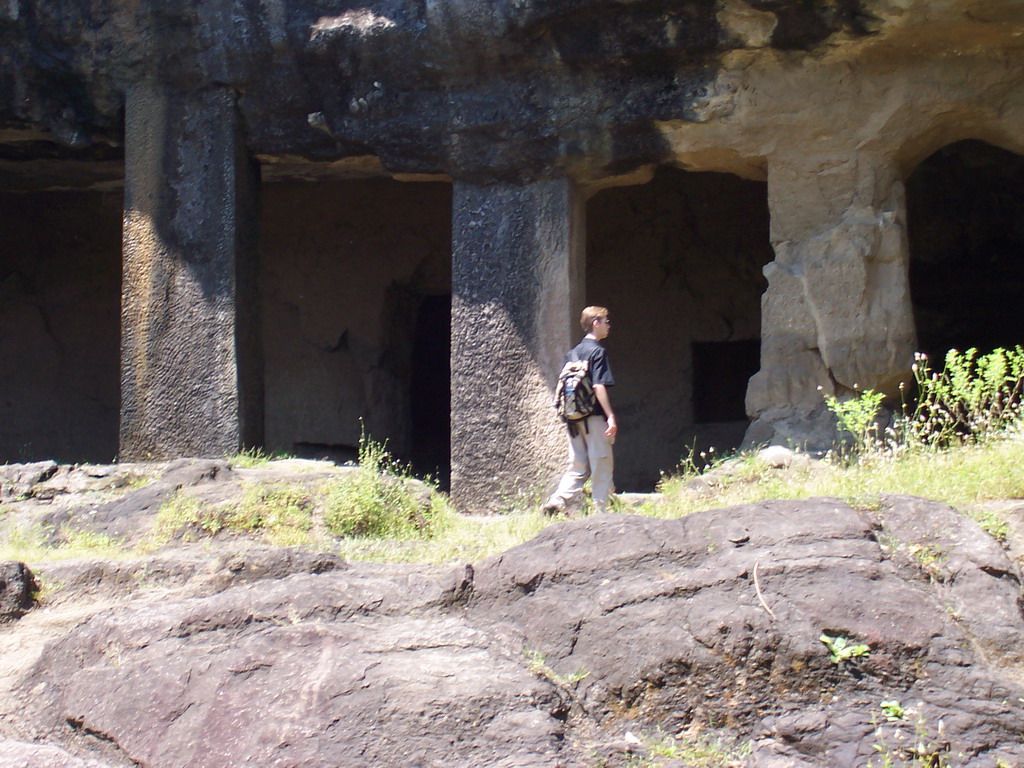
column 590, row 440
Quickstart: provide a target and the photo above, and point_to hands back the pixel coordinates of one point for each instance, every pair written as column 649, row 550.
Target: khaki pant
column 590, row 456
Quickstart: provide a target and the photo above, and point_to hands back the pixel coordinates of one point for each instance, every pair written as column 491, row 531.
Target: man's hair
column 589, row 315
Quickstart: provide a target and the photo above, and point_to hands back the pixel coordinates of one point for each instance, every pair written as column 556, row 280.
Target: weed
column 457, row 538
column 538, row 665
column 993, row 523
column 135, row 482
column 45, row 588
column 23, row 541
column 250, row 458
column 973, row 397
column 840, row 649
column 186, row 516
column 88, row 542
column 376, row 500
column 893, row 711
column 930, row 558
column 692, row 748
column 283, row 513
column 29, row 543
column 962, row 475
column 858, row 416
column 898, row 748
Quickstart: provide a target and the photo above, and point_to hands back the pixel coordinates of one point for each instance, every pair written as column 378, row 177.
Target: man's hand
column 601, row 392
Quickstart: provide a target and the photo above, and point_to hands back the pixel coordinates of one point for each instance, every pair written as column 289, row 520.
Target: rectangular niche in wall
column 721, row 370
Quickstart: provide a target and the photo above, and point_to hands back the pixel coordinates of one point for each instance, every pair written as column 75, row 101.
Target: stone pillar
column 517, row 290
column 837, row 315
column 191, row 377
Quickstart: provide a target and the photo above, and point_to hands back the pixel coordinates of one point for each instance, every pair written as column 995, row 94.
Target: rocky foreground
column 610, row 641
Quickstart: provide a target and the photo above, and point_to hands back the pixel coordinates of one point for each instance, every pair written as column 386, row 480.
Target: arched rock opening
column 356, row 286
column 678, row 261
column 966, row 234
column 60, row 299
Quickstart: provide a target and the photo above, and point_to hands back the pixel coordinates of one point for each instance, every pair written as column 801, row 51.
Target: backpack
column 574, row 393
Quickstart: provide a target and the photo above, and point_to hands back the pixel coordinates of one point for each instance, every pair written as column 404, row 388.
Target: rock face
column 551, row 652
column 16, row 587
column 528, row 110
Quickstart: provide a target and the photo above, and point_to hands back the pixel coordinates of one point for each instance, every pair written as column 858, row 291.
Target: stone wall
column 60, row 291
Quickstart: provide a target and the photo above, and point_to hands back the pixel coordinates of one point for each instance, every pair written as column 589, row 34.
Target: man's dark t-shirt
column 600, row 371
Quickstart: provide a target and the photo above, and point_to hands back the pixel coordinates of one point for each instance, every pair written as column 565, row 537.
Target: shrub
column 377, row 499
column 973, row 397
column 859, row 417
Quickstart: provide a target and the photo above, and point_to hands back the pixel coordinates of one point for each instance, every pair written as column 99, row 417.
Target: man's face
column 601, row 328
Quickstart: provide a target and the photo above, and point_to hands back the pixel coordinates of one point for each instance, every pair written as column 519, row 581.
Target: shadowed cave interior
column 966, row 233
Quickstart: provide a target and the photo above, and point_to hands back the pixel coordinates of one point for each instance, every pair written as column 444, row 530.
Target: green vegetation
column 959, row 475
column 282, row 513
column 538, row 665
column 958, row 441
column 973, row 399
column 377, row 500
column 372, row 502
column 858, row 417
column 899, row 747
column 893, row 711
column 992, row 522
column 692, row 748
column 841, row 649
column 45, row 589
column 29, row 543
column 250, row 458
column 930, row 558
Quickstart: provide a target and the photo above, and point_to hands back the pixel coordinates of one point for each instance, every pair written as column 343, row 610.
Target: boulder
column 19, row 480
column 16, row 588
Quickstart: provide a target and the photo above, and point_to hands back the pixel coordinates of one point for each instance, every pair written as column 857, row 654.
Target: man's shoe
column 551, row 509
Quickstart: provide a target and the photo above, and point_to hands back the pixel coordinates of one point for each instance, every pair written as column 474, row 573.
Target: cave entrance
column 678, row 262
column 966, row 235
column 356, row 286
column 430, row 390
column 60, row 305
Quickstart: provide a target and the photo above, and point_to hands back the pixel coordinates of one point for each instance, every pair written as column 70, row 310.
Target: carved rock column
column 837, row 314
column 191, row 378
column 517, row 288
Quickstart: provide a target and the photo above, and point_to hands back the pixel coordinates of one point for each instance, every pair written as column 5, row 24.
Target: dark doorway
column 721, row 370
column 678, row 262
column 430, row 390
column 60, row 328
column 965, row 219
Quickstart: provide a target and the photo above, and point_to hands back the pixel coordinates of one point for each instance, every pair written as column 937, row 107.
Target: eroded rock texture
column 549, row 653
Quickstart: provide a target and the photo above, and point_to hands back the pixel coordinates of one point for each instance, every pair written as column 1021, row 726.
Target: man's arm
column 602, row 397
